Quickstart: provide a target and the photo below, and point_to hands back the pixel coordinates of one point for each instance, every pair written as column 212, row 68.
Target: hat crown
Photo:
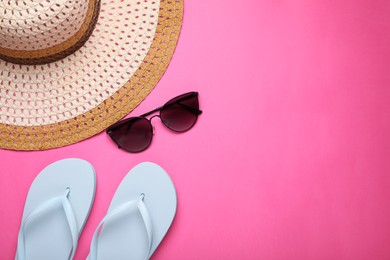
column 42, row 28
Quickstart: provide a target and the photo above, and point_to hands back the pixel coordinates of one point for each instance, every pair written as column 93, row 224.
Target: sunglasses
column 135, row 134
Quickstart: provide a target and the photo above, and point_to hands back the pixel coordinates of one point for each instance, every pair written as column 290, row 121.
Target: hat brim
column 112, row 109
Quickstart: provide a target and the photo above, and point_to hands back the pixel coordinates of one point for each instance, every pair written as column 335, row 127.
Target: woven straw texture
column 52, row 105
column 47, row 31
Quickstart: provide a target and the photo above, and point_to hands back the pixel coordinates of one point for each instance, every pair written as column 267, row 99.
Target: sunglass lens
column 180, row 113
column 134, row 135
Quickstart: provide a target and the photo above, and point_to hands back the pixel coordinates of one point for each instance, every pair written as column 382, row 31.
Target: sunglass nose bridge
column 153, row 128
column 154, row 117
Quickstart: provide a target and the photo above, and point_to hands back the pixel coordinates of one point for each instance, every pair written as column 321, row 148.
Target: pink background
column 290, row 159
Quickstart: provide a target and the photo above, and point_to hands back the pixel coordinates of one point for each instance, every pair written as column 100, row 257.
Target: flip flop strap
column 45, row 208
column 121, row 210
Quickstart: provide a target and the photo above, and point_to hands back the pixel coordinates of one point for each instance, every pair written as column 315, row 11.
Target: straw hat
column 71, row 68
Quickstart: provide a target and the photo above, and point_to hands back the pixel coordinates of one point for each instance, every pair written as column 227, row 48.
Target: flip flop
column 138, row 217
column 57, row 206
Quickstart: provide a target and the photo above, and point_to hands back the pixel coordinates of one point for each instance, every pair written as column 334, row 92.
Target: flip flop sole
column 127, row 238
column 49, row 237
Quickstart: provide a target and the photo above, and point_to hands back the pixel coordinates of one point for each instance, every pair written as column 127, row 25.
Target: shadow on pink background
column 291, row 157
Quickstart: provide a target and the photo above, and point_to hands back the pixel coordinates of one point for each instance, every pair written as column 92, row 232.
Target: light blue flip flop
column 57, row 206
column 139, row 216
